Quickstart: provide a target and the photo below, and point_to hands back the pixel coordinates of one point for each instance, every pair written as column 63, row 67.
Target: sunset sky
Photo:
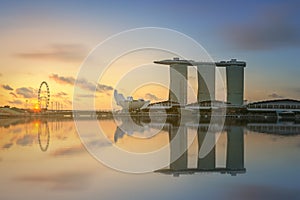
column 48, row 41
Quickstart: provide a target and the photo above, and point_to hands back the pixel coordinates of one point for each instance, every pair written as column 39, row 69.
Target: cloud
column 59, row 52
column 86, row 96
column 13, row 94
column 275, row 96
column 60, row 94
column 104, row 88
column 60, row 181
column 62, row 79
column 27, row 92
column 1, row 74
column 272, row 28
column 7, row 87
column 16, row 102
column 27, row 140
column 7, row 146
column 152, row 97
column 69, row 151
column 81, row 83
column 84, row 84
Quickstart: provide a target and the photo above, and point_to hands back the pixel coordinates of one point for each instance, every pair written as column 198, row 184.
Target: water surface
column 45, row 159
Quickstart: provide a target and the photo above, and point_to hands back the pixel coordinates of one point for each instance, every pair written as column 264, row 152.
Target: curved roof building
column 275, row 105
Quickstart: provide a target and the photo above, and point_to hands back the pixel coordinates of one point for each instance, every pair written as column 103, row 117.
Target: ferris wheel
column 44, row 96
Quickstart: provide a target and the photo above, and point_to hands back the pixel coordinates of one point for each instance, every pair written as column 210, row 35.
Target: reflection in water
column 29, row 131
column 180, row 160
column 43, row 135
column 179, row 146
column 130, row 125
column 272, row 162
column 281, row 128
column 235, row 149
column 235, row 152
column 119, row 133
column 209, row 161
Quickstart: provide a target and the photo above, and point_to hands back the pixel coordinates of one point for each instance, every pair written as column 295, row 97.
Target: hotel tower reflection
column 178, row 140
column 234, row 152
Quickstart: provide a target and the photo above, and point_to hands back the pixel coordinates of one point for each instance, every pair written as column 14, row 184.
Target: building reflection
column 178, row 142
column 177, row 146
column 209, row 161
column 128, row 125
column 234, row 152
column 235, row 149
column 280, row 128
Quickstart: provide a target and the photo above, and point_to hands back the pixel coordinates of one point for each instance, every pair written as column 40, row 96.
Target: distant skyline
column 48, row 41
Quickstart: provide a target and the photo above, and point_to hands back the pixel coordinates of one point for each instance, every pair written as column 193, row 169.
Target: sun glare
column 36, row 108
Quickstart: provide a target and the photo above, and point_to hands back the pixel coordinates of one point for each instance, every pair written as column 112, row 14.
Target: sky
column 49, row 40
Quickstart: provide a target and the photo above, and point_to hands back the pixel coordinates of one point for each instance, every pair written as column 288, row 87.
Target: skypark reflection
column 179, row 157
column 207, row 164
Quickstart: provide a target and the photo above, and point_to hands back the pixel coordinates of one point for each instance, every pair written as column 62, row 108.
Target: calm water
column 45, row 159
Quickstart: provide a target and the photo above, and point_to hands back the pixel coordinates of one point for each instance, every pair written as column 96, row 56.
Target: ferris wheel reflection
column 43, row 135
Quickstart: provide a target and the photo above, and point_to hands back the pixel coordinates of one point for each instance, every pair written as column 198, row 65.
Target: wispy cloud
column 27, row 92
column 86, row 96
column 13, row 94
column 275, row 96
column 82, row 83
column 62, row 79
column 273, row 27
column 60, row 94
column 7, row 87
column 16, row 102
column 60, row 52
column 152, row 97
column 104, row 88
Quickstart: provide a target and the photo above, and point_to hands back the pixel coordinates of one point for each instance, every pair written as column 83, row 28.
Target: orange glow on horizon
column 36, row 108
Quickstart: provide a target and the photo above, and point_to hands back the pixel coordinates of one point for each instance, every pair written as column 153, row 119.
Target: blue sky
column 266, row 34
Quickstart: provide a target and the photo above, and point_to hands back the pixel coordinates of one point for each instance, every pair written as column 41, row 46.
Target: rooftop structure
column 206, row 80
